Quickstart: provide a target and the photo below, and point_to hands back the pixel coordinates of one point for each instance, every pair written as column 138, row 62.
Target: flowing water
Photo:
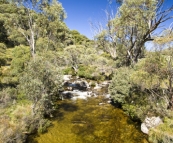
column 90, row 121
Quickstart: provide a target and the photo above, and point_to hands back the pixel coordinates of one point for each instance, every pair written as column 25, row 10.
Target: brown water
column 88, row 122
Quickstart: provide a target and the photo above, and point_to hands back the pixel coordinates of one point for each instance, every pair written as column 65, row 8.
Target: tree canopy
column 132, row 26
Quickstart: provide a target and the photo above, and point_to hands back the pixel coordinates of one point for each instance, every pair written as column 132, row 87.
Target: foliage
column 73, row 55
column 8, row 96
column 10, row 132
column 2, row 54
column 3, row 33
column 124, row 36
column 41, row 83
column 138, row 91
column 68, row 71
column 28, row 27
column 79, row 39
column 86, row 71
column 162, row 133
column 119, row 88
column 43, row 125
column 21, row 56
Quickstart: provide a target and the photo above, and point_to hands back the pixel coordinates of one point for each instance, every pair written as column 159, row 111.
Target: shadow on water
column 68, row 107
column 59, row 116
column 67, row 95
column 31, row 140
column 62, row 108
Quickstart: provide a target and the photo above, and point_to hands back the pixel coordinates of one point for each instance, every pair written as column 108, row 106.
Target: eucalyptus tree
column 73, row 55
column 6, row 11
column 133, row 26
column 32, row 20
column 79, row 39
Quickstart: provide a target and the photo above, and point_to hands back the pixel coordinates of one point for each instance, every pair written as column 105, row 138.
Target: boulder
column 144, row 128
column 82, row 83
column 76, row 94
column 150, row 123
column 67, row 77
column 97, row 87
column 104, row 84
column 108, row 96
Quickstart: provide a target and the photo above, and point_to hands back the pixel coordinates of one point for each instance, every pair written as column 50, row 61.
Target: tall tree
column 33, row 20
column 133, row 26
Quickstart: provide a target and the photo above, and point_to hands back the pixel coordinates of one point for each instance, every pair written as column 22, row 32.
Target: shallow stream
column 85, row 121
column 91, row 121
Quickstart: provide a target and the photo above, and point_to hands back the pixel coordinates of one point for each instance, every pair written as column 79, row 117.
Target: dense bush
column 138, row 98
column 69, row 71
column 2, row 54
column 86, row 71
column 21, row 56
column 120, row 86
column 162, row 133
column 8, row 97
column 41, row 83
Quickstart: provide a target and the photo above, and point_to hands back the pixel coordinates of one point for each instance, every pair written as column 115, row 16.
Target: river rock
column 144, row 128
column 76, row 94
column 97, row 87
column 150, row 123
column 67, row 77
column 82, row 83
column 77, row 85
column 108, row 96
column 105, row 84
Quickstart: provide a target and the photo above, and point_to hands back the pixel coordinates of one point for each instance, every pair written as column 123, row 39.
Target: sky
column 80, row 13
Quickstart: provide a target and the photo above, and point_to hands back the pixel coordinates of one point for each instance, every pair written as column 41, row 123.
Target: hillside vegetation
column 37, row 49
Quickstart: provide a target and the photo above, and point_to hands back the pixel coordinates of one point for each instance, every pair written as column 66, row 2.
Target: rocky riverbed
column 85, row 115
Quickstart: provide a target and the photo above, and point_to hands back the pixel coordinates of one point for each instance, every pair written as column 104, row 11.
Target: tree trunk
column 32, row 45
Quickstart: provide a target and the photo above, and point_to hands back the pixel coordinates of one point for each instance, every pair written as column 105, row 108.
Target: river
column 90, row 121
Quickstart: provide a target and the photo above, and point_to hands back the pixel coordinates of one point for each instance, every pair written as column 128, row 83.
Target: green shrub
column 43, row 125
column 119, row 89
column 68, row 71
column 86, row 71
column 90, row 72
column 21, row 55
column 41, row 82
column 162, row 133
column 2, row 54
column 7, row 97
